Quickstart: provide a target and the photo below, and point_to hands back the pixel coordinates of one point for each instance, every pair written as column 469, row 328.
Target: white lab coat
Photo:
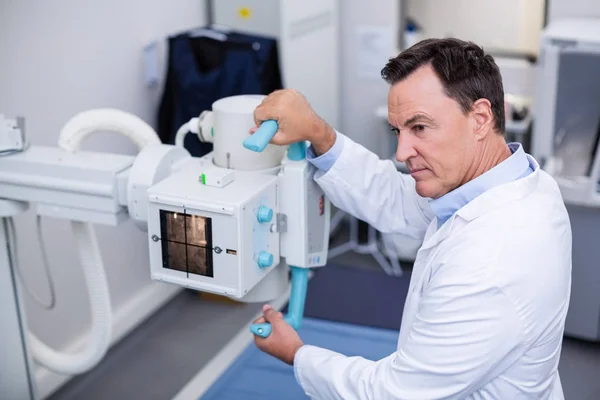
column 485, row 312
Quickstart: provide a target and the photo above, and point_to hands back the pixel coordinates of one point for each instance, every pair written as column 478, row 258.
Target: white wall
column 59, row 58
column 501, row 24
column 513, row 25
column 573, row 8
column 363, row 57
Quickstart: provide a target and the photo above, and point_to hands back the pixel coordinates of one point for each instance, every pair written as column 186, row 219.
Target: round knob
column 265, row 259
column 264, row 214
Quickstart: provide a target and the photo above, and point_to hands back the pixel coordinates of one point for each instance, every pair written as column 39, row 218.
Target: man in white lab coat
column 485, row 312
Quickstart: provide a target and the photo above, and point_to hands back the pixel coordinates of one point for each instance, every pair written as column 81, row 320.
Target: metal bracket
column 280, row 223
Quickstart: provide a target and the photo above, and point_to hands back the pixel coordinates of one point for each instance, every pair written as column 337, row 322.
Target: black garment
column 203, row 69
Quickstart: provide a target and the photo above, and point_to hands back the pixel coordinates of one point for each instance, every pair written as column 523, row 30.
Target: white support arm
column 81, row 186
column 84, row 186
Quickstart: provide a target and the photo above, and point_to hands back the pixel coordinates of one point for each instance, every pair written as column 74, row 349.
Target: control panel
column 305, row 239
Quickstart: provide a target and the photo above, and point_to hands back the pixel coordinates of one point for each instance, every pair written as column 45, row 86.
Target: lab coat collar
column 484, row 203
column 511, row 169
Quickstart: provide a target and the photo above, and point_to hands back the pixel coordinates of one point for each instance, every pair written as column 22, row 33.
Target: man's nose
column 405, row 149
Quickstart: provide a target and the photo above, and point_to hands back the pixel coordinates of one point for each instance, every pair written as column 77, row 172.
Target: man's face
column 435, row 137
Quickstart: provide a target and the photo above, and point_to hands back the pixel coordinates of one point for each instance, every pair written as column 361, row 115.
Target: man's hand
column 283, row 342
column 296, row 119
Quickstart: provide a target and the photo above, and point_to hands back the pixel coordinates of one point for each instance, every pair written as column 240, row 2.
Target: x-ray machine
column 228, row 223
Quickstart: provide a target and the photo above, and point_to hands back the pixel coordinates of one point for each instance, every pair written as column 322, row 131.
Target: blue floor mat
column 257, row 376
column 357, row 296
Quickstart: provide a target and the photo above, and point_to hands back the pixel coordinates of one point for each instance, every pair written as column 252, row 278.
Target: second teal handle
column 295, row 306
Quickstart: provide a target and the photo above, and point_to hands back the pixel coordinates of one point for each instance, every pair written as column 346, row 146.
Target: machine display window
column 186, row 243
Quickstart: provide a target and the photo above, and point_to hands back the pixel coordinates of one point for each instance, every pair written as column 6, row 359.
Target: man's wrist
column 292, row 358
column 323, row 139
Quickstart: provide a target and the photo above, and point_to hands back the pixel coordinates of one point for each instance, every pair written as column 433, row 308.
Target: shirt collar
column 509, row 170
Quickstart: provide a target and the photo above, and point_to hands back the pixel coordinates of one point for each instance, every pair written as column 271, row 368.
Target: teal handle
column 262, row 330
column 261, row 138
column 295, row 307
column 263, row 135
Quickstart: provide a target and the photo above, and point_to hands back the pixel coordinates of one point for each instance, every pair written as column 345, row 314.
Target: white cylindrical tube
column 71, row 137
column 106, row 119
column 233, row 117
column 101, row 322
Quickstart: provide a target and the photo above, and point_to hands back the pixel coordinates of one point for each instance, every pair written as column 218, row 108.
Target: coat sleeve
column 465, row 333
column 374, row 191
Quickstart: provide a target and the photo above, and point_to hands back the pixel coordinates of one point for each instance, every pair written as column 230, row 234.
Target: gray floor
column 157, row 359
column 162, row 355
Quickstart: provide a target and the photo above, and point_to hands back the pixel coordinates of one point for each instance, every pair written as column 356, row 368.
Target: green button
column 203, row 179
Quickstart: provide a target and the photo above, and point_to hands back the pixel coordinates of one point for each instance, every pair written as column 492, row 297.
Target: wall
column 506, row 25
column 57, row 61
column 573, row 8
column 512, row 25
column 503, row 24
column 369, row 37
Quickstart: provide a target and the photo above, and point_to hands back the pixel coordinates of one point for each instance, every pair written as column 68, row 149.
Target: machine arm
column 82, row 186
column 85, row 186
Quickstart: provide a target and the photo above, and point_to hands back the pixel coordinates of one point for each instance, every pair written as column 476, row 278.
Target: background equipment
column 565, row 142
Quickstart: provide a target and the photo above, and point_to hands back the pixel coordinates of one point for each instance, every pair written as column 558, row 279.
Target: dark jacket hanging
column 202, row 69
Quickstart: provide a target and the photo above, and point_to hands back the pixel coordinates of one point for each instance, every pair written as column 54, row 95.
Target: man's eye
column 395, row 130
column 418, row 128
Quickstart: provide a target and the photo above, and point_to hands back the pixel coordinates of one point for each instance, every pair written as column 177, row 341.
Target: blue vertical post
column 297, row 297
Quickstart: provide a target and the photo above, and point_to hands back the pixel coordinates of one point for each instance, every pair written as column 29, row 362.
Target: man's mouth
column 418, row 173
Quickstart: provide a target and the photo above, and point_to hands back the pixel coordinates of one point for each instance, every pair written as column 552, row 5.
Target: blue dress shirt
column 325, row 161
column 514, row 167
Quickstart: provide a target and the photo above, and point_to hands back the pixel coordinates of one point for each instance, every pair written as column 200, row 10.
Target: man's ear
column 483, row 118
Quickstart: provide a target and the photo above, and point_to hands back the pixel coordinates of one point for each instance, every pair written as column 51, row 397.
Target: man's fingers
column 271, row 315
column 257, row 121
column 279, row 139
column 267, row 110
column 260, row 320
column 261, row 114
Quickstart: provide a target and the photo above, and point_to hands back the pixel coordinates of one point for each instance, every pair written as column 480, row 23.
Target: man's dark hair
column 466, row 72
